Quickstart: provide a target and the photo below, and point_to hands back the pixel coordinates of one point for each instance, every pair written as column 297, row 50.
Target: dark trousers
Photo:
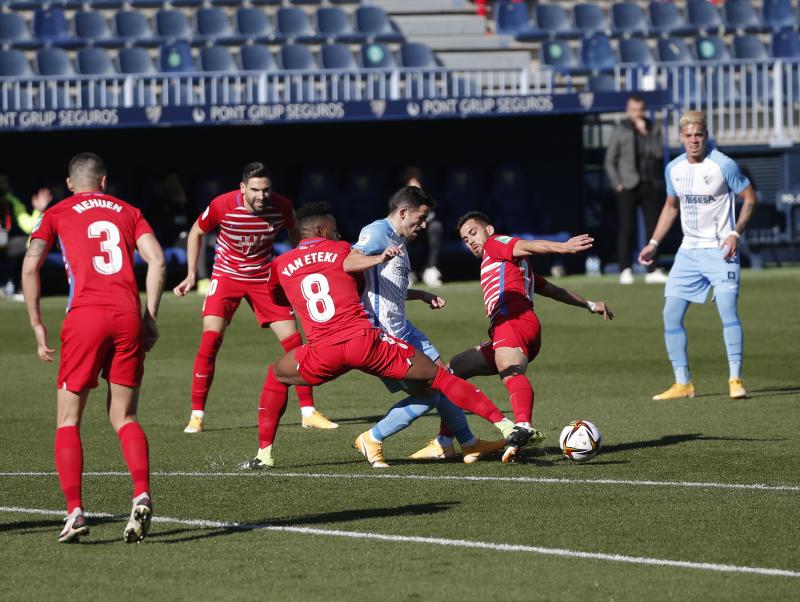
column 650, row 198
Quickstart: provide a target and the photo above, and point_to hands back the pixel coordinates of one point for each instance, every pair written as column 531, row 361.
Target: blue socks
column 675, row 338
column 731, row 331
column 407, row 410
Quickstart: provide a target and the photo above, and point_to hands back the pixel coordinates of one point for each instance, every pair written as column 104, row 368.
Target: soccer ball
column 580, row 440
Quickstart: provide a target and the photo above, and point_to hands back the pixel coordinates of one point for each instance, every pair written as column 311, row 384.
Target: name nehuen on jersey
column 320, row 257
column 97, row 204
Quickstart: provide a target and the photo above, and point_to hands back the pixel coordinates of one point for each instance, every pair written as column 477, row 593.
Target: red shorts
column 522, row 331
column 225, row 294
column 95, row 339
column 374, row 352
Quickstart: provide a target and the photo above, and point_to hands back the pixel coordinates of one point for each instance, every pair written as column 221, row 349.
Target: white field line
column 438, row 541
column 411, row 477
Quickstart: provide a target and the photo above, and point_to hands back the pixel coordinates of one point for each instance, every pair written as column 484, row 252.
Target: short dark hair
column 635, row 98
column 478, row 216
column 311, row 213
column 410, row 196
column 86, row 166
column 254, row 170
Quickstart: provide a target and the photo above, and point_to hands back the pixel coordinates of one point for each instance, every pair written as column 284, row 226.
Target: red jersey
column 245, row 240
column 326, row 298
column 508, row 282
column 97, row 233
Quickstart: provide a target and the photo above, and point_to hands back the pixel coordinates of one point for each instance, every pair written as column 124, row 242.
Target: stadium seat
column 292, row 23
column 14, row 31
column 173, row 25
column 597, row 54
column 50, row 26
column 377, row 56
column 513, row 19
column 334, row 25
column 295, row 57
column 176, row 57
column 106, row 4
column 704, row 16
column 135, row 61
column 741, row 17
column 147, row 3
column 589, row 19
column 257, row 58
column 628, row 19
column 14, row 63
column 217, row 58
column 92, row 27
column 711, row 48
column 673, row 50
column 559, row 55
column 94, row 61
column 212, row 25
column 65, row 4
column 778, row 14
column 186, row 3
column 132, row 26
column 226, row 3
column 337, row 56
column 416, row 55
column 666, row 19
column 266, row 2
column 254, row 24
column 749, row 47
column 553, row 19
column 53, row 61
column 306, row 2
column 635, row 50
column 373, row 22
column 604, row 82
column 786, row 44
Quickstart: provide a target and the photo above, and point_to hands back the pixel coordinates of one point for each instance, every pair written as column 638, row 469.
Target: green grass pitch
column 308, row 529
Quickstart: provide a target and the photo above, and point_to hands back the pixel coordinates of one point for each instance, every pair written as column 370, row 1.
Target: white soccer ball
column 580, row 440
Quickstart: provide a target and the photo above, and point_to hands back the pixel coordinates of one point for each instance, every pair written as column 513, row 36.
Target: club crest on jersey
column 707, row 179
column 731, row 275
column 503, row 239
column 363, row 239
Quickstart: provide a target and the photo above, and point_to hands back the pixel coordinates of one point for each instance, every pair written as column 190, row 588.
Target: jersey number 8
column 316, row 291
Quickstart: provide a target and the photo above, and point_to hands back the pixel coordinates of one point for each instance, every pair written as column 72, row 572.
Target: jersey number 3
column 316, row 291
column 111, row 261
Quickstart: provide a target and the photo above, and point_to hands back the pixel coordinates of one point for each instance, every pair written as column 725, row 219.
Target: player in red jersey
column 509, row 282
column 318, row 279
column 248, row 219
column 103, row 331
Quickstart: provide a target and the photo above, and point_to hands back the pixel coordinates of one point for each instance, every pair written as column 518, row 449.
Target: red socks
column 305, row 394
column 134, row 448
column 271, row 407
column 466, row 396
column 204, row 364
column 520, row 393
column 69, row 464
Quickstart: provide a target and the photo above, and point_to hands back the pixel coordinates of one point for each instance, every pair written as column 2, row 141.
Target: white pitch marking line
column 411, row 477
column 439, row 541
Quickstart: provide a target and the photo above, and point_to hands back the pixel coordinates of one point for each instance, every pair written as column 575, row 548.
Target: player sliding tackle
column 509, row 282
column 318, row 279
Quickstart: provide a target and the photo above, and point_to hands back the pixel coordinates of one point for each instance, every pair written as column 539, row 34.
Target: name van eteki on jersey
column 96, row 204
column 321, row 257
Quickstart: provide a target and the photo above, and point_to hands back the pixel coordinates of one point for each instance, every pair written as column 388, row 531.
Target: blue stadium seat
column 133, row 27
column 135, row 61
column 628, row 19
column 597, row 54
column 604, row 82
column 559, row 55
column 665, row 18
column 377, row 56
column 749, row 47
column 106, row 4
column 704, row 16
column 266, row 2
column 14, row 63
column 93, row 29
column 14, row 31
column 741, row 17
column 50, row 26
column 711, row 48
column 418, row 56
column 257, row 58
column 513, row 19
column 334, row 25
column 589, row 19
column 176, row 57
column 53, row 61
column 786, row 44
column 186, row 3
column 226, row 3
column 778, row 14
column 65, row 4
column 217, row 58
column 147, row 3
column 296, row 57
column 376, row 25
column 293, row 24
column 23, row 5
column 254, row 24
column 213, row 25
column 306, row 2
column 635, row 50
column 337, row 56
column 553, row 19
column 673, row 50
column 94, row 61
column 173, row 25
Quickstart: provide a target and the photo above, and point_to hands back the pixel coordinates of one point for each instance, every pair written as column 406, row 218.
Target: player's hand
column 647, row 253
column 729, row 246
column 578, row 244
column 42, row 350
column 149, row 331
column 185, row 286
column 435, row 302
column 604, row 310
column 390, row 252
column 41, row 199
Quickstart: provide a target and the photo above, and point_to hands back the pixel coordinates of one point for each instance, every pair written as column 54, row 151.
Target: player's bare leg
column 290, row 339
column 121, row 403
column 203, row 370
column 68, row 456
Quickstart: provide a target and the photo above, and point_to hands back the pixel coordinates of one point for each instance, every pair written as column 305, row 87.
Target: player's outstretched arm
column 151, row 252
column 433, row 301
column 356, row 261
column 194, row 242
column 32, row 289
column 570, row 298
column 668, row 215
column 576, row 244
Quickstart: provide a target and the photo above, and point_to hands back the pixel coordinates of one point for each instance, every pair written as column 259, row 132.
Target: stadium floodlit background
column 504, row 107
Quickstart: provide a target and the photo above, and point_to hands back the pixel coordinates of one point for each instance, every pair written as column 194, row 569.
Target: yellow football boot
column 676, row 391
column 318, row 421
column 372, row 450
column 736, row 389
column 472, row 453
column 195, row 425
column 434, row 451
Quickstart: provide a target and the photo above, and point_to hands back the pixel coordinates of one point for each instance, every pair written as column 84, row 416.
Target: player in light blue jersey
column 701, row 186
column 385, row 293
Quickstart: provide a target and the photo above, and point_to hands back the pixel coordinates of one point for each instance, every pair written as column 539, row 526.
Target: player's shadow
column 774, row 391
column 28, row 527
column 668, row 440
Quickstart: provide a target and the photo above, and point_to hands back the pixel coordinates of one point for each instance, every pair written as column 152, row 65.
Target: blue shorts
column 695, row 270
column 419, row 340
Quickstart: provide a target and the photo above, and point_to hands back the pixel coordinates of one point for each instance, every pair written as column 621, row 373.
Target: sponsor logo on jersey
column 731, row 275
column 698, row 199
column 503, row 239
